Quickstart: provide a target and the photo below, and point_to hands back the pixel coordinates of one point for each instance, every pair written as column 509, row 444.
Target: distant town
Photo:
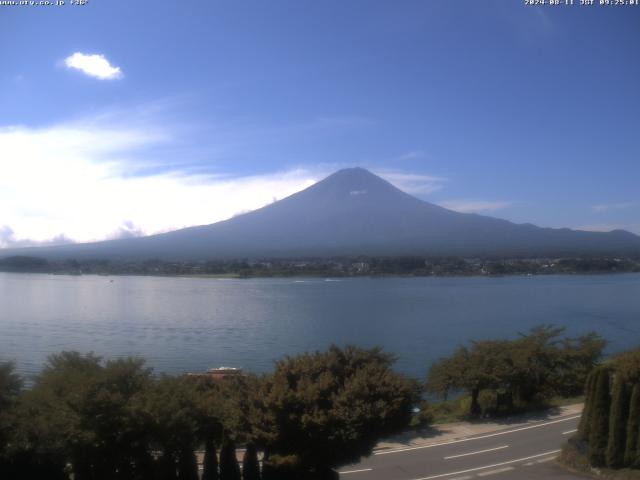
column 329, row 267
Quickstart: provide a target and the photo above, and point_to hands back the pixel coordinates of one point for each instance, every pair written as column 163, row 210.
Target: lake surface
column 190, row 324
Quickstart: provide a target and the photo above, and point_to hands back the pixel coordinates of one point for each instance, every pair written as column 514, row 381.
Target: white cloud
column 613, row 206
column 115, row 175
column 83, row 181
column 8, row 239
column 413, row 183
column 95, row 65
column 412, row 155
column 473, row 206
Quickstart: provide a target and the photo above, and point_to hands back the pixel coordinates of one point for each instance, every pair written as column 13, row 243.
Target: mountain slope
column 352, row 212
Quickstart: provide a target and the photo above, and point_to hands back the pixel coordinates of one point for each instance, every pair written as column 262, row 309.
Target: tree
column 250, row 465
column 585, row 418
column 632, row 450
column 618, row 422
column 628, row 365
column 170, row 411
column 10, row 388
column 578, row 356
column 167, row 468
column 330, row 408
column 445, row 374
column 53, row 414
column 10, row 385
column 599, row 428
column 535, row 366
column 229, row 468
column 79, row 411
column 187, row 465
column 210, row 464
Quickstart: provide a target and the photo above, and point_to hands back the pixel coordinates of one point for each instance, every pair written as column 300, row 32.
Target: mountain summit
column 352, row 212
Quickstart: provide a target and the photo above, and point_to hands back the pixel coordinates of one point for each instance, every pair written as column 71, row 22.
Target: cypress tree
column 210, row 466
column 187, row 465
column 229, row 468
column 268, row 472
column 618, row 420
column 631, row 456
column 585, row 419
column 167, row 467
column 250, row 465
column 145, row 466
column 599, row 425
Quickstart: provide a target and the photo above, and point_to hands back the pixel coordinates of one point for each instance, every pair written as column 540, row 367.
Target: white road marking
column 570, row 431
column 356, row 471
column 489, row 466
column 475, row 453
column 387, row 452
column 542, row 460
column 493, row 472
column 466, row 477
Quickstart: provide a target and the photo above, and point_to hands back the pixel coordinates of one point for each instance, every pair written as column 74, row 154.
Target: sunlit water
column 190, row 324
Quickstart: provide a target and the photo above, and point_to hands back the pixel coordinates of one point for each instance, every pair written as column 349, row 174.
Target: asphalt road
column 522, row 453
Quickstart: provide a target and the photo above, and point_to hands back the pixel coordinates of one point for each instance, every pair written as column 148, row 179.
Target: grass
column 576, row 461
column 457, row 410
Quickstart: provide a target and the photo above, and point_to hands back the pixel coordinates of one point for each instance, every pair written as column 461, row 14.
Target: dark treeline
column 609, row 431
column 89, row 419
column 507, row 375
column 336, row 267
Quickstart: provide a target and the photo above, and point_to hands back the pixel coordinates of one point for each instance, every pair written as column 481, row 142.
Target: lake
column 191, row 324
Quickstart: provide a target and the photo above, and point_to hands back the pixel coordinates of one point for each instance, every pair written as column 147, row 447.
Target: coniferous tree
column 599, row 428
column 187, row 465
column 167, row 468
column 210, row 466
column 250, row 465
column 268, row 472
column 631, row 457
column 145, row 467
column 229, row 468
column 618, row 422
column 585, row 419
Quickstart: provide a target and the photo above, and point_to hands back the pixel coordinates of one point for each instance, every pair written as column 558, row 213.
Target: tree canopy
column 534, row 366
column 330, row 408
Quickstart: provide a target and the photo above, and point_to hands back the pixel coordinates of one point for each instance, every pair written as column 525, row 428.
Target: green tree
column 229, row 468
column 80, row 412
column 535, row 366
column 632, row 450
column 10, row 388
column 53, row 414
column 250, row 465
column 585, row 418
column 599, row 428
column 628, row 365
column 170, row 410
column 330, row 408
column 210, row 464
column 10, row 385
column 187, row 465
column 618, row 419
column 445, row 374
column 577, row 358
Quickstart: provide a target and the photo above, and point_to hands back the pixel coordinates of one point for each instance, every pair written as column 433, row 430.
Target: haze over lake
column 190, row 324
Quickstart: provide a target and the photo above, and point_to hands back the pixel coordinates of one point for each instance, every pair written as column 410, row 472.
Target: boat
column 219, row 373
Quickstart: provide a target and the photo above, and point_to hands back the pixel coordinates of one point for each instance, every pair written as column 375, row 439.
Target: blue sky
column 125, row 118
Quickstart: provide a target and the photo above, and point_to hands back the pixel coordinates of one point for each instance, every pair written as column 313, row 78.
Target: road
column 525, row 452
